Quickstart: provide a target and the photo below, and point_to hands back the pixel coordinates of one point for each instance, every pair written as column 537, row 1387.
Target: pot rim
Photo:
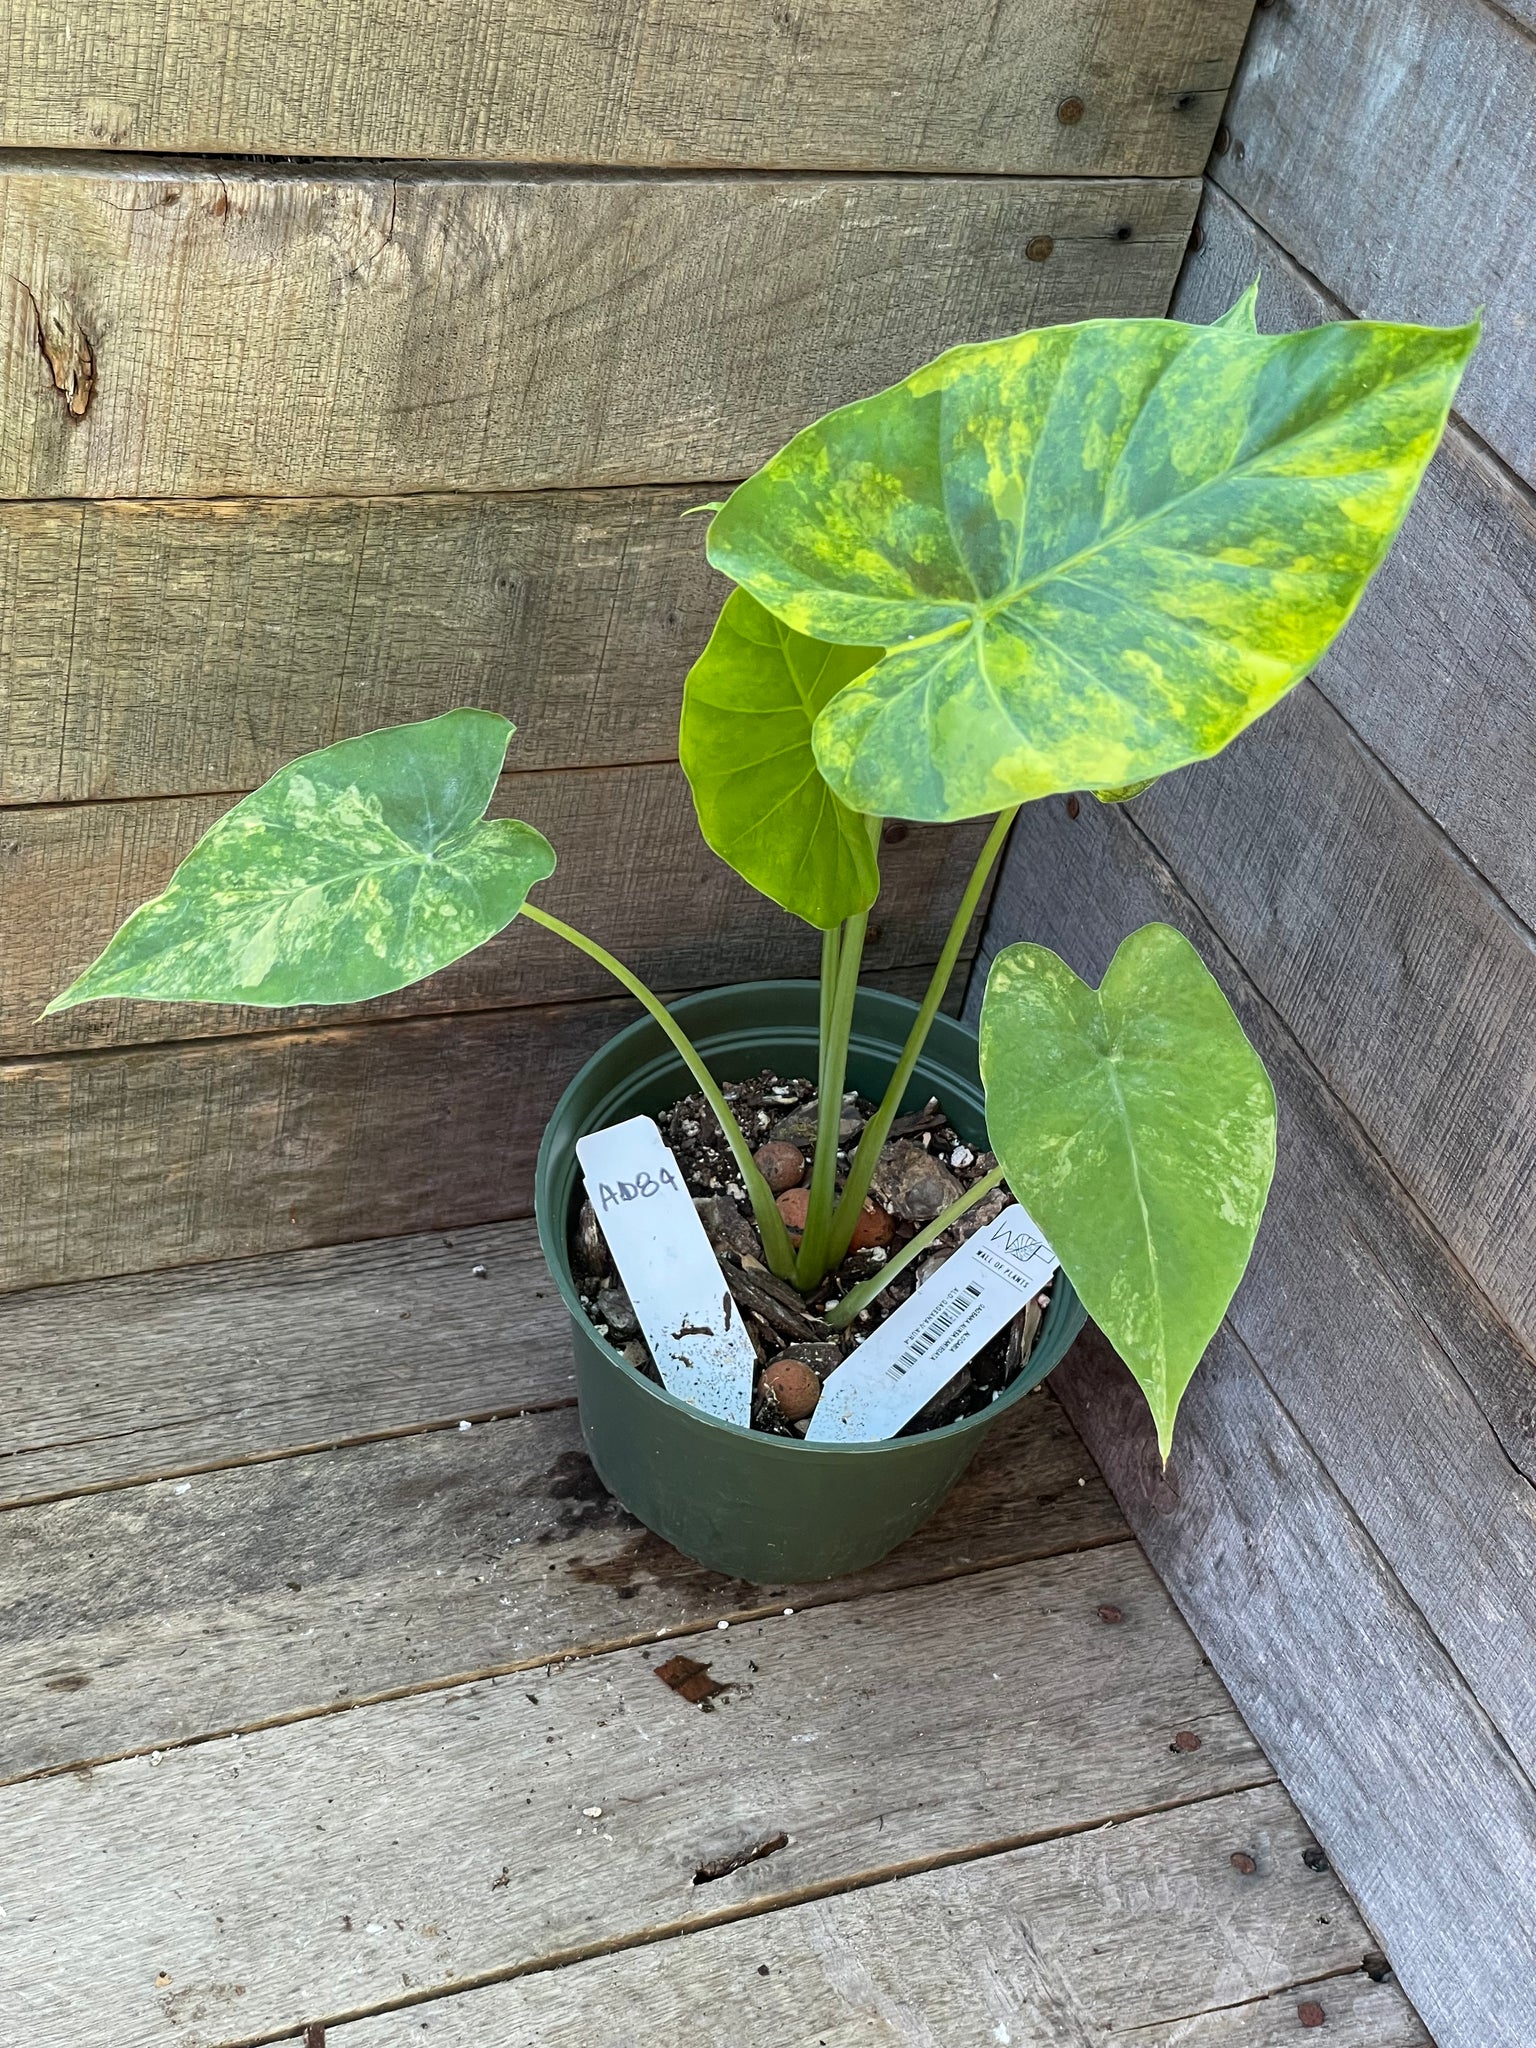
column 761, row 1441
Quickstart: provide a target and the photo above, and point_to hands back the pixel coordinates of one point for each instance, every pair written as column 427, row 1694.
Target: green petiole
column 844, row 950
column 842, row 1313
column 878, row 1129
column 770, row 1224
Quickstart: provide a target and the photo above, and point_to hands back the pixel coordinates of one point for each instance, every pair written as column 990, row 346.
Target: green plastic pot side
column 760, row 1507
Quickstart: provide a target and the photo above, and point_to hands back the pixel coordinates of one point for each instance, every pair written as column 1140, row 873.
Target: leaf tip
column 1242, row 313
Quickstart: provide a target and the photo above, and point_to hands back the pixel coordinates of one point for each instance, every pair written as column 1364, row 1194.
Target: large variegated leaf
column 749, row 704
column 1093, row 553
column 1137, row 1125
column 354, row 871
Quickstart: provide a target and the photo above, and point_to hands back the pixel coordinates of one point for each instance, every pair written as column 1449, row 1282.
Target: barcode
column 941, row 1320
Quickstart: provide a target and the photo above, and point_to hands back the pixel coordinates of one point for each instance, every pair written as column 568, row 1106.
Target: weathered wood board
column 171, row 647
column 279, row 1588
column 121, row 1161
column 1433, row 672
column 333, row 1863
column 1051, row 1946
column 634, row 872
column 1388, row 145
column 665, row 83
column 170, row 1373
column 1413, row 1794
column 1350, row 1520
column 181, row 330
column 1352, row 1308
column 1406, row 980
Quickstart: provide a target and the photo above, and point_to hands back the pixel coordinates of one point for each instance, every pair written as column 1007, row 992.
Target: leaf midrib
column 1111, row 1059
column 984, row 612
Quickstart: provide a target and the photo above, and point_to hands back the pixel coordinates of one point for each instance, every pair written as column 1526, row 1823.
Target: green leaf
column 749, row 704
column 1137, row 1125
column 1093, row 553
column 1243, row 312
column 354, row 871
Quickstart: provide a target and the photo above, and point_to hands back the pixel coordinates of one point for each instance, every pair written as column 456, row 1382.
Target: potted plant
column 1070, row 560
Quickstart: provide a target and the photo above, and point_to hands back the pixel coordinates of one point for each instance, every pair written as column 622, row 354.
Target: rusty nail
column 1186, row 1741
column 1070, row 112
column 1110, row 1614
column 1310, row 2013
column 1243, row 1863
column 1038, row 247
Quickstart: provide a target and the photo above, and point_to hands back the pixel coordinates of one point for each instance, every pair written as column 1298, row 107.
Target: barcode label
column 938, row 1323
column 977, row 1291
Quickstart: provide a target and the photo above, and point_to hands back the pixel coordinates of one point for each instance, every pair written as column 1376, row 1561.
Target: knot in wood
column 66, row 348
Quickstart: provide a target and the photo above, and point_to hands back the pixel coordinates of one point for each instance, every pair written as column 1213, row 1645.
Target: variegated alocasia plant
column 1073, row 559
column 1090, row 554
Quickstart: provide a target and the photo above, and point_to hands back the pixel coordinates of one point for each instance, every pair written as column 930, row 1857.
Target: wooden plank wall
column 359, row 363
column 1349, row 1516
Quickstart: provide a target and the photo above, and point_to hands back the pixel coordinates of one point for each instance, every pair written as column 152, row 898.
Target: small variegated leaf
column 1136, row 1124
column 354, row 871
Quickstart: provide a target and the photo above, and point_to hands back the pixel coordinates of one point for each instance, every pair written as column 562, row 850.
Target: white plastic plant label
column 669, row 1268
column 903, row 1364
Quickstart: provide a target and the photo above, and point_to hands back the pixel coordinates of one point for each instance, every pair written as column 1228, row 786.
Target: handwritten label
column 669, row 1268
column 902, row 1365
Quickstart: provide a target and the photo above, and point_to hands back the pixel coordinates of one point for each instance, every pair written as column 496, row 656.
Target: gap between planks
column 474, row 1524
column 761, row 1909
column 1100, row 1704
column 550, row 1661
column 152, row 166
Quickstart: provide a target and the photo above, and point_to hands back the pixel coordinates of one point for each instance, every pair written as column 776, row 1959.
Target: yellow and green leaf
column 1093, row 553
column 1137, row 1125
column 354, row 871
column 749, row 706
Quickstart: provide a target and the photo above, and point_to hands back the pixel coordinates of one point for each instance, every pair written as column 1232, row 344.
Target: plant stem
column 812, row 1262
column 831, row 946
column 770, row 1224
column 878, row 1129
column 842, row 1313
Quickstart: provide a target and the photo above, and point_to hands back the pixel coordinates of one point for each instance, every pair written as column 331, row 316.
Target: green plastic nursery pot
column 761, row 1507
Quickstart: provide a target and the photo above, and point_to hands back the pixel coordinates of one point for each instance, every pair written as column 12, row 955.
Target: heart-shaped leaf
column 749, row 704
column 1093, row 553
column 354, row 871
column 1137, row 1125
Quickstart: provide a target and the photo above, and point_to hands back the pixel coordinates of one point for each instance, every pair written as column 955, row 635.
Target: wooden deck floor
column 326, row 1716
